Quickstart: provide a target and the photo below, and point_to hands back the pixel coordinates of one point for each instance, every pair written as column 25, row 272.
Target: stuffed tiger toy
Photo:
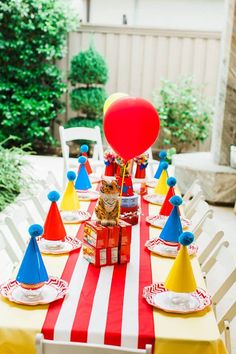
column 107, row 209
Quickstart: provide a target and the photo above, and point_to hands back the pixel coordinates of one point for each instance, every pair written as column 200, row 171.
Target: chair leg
column 227, row 336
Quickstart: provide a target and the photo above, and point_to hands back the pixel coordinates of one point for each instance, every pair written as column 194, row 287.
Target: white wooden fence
column 138, row 58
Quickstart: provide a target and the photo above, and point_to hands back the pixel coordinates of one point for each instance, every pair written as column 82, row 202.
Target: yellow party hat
column 162, row 186
column 70, row 200
column 181, row 278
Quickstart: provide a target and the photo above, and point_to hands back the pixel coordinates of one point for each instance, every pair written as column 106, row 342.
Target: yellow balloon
column 112, row 98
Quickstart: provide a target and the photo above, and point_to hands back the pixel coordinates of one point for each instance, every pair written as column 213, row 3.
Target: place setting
column 179, row 293
column 152, row 182
column 70, row 203
column 161, row 187
column 83, row 184
column 167, row 244
column 32, row 285
column 55, row 239
column 161, row 218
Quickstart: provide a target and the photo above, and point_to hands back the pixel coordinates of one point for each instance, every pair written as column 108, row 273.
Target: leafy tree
column 88, row 74
column 32, row 36
column 185, row 114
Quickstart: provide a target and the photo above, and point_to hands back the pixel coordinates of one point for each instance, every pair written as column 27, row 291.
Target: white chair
column 224, row 320
column 44, row 346
column 152, row 164
column 191, row 198
column 209, row 237
column 8, row 257
column 50, row 183
column 201, row 213
column 42, row 204
column 18, row 223
column 78, row 133
column 220, row 272
column 220, row 276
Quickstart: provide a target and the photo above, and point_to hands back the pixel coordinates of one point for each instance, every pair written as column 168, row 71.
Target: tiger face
column 109, row 187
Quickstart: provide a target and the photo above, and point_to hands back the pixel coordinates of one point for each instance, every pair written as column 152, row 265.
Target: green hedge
column 88, row 72
column 32, row 36
column 88, row 100
column 88, row 67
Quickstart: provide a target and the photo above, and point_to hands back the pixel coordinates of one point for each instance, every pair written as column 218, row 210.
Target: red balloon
column 131, row 126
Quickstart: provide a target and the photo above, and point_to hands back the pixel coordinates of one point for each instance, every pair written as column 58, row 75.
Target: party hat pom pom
column 164, row 165
column 186, row 238
column 171, row 181
column 176, row 200
column 82, row 159
column 71, row 175
column 53, row 196
column 84, row 148
column 162, row 154
column 35, row 230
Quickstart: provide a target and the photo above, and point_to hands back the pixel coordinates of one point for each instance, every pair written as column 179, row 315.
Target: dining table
column 105, row 305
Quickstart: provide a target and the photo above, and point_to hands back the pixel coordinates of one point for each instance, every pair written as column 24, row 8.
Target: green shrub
column 88, row 100
column 88, row 73
column 185, row 114
column 88, row 67
column 32, row 36
column 12, row 179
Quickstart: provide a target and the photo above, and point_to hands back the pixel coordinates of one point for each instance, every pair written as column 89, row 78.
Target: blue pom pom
column 171, row 181
column 71, row 175
column 176, row 200
column 53, row 196
column 35, row 230
column 164, row 165
column 162, row 154
column 82, row 159
column 186, row 238
column 84, row 148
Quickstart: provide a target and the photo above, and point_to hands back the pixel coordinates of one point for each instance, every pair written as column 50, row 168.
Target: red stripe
column 79, row 331
column 115, row 306
column 146, row 319
column 55, row 307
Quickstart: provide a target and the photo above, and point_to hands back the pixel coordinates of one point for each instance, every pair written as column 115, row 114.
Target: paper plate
column 168, row 249
column 160, row 220
column 52, row 290
column 154, row 198
column 70, row 244
column 151, row 183
column 88, row 195
column 157, row 296
column 75, row 217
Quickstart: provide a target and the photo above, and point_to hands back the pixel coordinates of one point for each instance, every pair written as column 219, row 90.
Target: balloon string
column 121, row 190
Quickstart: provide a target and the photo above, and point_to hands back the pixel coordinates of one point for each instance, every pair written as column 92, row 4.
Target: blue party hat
column 82, row 181
column 32, row 269
column 162, row 156
column 173, row 227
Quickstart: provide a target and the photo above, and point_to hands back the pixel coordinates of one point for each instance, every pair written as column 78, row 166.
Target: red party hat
column 54, row 229
column 167, row 207
column 84, row 152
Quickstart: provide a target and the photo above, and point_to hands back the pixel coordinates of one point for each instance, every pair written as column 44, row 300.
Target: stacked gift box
column 107, row 245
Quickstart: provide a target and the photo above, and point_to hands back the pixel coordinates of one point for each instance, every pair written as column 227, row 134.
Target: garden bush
column 32, row 36
column 185, row 114
column 12, row 179
column 88, row 74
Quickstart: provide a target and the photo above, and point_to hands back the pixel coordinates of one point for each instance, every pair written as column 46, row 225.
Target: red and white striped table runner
column 105, row 305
